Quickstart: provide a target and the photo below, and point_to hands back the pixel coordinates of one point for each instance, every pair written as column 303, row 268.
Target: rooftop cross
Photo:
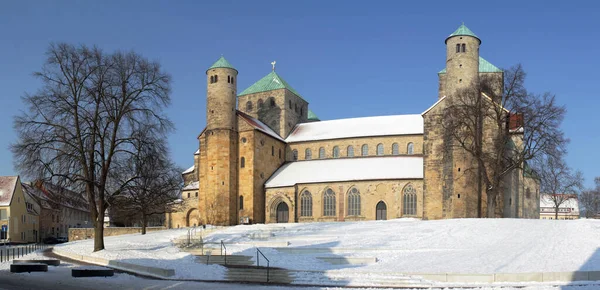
column 273, row 63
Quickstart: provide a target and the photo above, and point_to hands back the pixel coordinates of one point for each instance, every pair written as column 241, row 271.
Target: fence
column 16, row 252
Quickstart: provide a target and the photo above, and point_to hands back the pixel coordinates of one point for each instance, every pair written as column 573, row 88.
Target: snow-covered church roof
column 347, row 169
column 357, row 127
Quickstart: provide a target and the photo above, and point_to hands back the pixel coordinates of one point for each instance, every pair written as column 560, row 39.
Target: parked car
column 50, row 240
column 62, row 240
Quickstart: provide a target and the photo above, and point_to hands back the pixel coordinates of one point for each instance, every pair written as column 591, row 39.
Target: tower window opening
column 272, row 150
column 460, row 80
column 272, row 102
column 241, row 202
column 279, row 153
column 228, row 79
column 460, row 65
column 232, row 80
column 457, row 47
column 242, row 162
column 216, row 78
column 464, row 47
column 248, row 106
column 212, row 79
column 260, row 104
column 290, row 103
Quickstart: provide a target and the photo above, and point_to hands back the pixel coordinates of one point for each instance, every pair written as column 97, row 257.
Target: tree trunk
column 99, row 235
column 144, row 222
column 556, row 213
column 491, row 204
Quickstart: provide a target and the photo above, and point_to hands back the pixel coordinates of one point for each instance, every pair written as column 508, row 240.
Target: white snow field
column 399, row 246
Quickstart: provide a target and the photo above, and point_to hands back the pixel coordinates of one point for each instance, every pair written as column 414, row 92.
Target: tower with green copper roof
column 275, row 102
column 462, row 61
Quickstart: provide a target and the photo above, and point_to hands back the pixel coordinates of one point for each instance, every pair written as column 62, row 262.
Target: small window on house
column 321, row 153
column 272, row 150
column 365, row 150
column 464, row 47
column 410, row 148
column 241, row 202
column 272, row 100
column 188, row 195
column 259, row 104
column 248, row 106
column 379, row 149
column 395, row 150
column 307, row 154
column 196, row 194
column 336, row 152
column 242, row 162
column 350, row 151
column 295, row 155
column 457, row 47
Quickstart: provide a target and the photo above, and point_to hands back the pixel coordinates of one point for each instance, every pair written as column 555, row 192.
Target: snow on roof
column 191, row 169
column 432, row 106
column 546, row 201
column 357, row 127
column 260, row 126
column 7, row 188
column 347, row 169
column 192, row 186
column 197, row 152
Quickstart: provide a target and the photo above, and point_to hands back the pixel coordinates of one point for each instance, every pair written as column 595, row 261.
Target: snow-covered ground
column 400, row 246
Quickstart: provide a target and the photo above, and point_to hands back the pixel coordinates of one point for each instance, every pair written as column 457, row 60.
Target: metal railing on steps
column 223, row 247
column 258, row 261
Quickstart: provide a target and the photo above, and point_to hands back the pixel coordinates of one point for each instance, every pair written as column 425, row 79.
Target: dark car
column 62, row 240
column 50, row 240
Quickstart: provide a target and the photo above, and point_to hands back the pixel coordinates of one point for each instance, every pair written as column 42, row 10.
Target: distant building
column 568, row 210
column 17, row 211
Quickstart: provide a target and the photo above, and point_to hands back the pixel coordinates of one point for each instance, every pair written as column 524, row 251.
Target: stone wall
column 88, row 233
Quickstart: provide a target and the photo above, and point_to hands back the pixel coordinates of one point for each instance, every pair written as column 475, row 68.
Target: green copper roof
column 484, row 67
column 312, row 116
column 222, row 63
column 463, row 30
column 270, row 82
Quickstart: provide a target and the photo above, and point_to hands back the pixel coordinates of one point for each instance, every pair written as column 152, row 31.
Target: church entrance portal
column 381, row 211
column 193, row 218
column 283, row 212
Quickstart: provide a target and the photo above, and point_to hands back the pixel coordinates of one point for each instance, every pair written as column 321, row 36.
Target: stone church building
column 264, row 157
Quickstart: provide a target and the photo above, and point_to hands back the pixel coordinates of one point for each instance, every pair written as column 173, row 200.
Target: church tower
column 218, row 147
column 462, row 62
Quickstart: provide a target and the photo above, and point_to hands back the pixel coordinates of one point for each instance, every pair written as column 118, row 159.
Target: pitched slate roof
column 221, row 63
column 7, row 189
column 260, row 126
column 463, row 30
column 484, row 67
column 270, row 82
column 347, row 169
column 312, row 116
column 357, row 127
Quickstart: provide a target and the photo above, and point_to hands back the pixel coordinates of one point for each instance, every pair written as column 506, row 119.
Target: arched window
column 321, row 153
column 379, row 149
column 365, row 150
column 272, row 150
column 409, row 206
column 350, row 151
column 354, row 202
column 295, row 155
column 248, row 106
column 212, row 79
column 272, row 101
column 410, row 148
column 336, row 152
column 232, row 80
column 306, row 203
column 464, row 47
column 216, row 78
column 242, row 162
column 395, row 150
column 307, row 154
column 329, row 203
column 458, row 47
column 228, row 79
column 259, row 105
column 241, row 202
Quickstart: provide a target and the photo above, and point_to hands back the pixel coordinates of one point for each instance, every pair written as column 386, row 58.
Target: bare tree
column 79, row 124
column 558, row 183
column 478, row 120
column 589, row 200
column 153, row 181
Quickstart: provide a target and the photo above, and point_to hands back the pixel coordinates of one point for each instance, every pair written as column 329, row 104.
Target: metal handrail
column 223, row 247
column 258, row 264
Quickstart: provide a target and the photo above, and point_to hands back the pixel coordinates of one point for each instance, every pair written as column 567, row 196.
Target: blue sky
column 346, row 58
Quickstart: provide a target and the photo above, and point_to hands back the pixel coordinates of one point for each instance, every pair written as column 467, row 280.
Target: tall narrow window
column 395, row 150
column 242, row 162
column 228, row 79
column 457, row 47
column 188, row 195
column 410, row 148
column 336, row 152
column 259, row 105
column 307, row 154
column 379, row 149
column 329, row 203
column 272, row 150
column 365, row 150
column 241, row 202
column 232, row 80
column 354, row 202
column 216, row 78
column 295, row 155
column 272, row 101
column 212, row 79
column 350, row 151
column 321, row 153
column 464, row 47
column 306, row 204
column 409, row 201
column 248, row 106
column 290, row 103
